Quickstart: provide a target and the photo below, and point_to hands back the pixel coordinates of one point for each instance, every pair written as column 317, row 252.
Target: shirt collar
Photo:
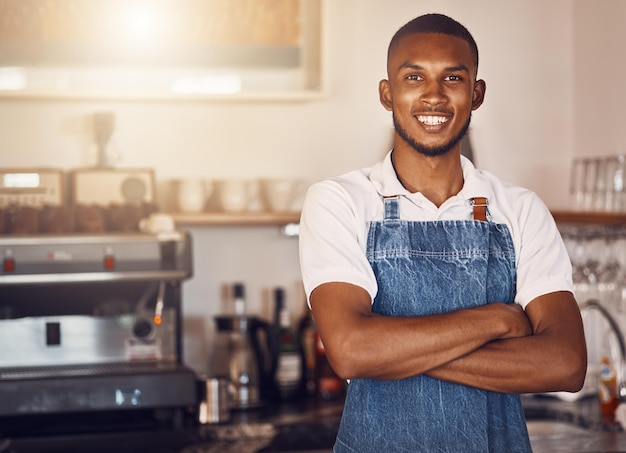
column 384, row 178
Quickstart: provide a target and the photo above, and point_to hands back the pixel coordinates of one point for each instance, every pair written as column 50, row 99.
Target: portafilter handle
column 158, row 308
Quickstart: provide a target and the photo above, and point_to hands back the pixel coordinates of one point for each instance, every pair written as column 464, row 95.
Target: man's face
column 432, row 90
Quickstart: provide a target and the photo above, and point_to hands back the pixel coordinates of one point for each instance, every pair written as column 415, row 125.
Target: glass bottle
column 307, row 336
column 288, row 370
column 239, row 297
column 607, row 389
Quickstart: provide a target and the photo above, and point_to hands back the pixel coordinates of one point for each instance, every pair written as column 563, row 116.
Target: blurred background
column 553, row 93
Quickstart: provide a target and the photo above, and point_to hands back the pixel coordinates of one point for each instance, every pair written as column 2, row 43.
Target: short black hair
column 434, row 23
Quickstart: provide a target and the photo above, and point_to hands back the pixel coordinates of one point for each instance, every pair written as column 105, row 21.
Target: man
column 441, row 292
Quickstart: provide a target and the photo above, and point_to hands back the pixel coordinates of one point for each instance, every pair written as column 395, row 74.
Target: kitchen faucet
column 593, row 304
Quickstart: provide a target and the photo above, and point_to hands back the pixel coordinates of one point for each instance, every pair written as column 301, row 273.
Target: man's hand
column 515, row 317
column 553, row 358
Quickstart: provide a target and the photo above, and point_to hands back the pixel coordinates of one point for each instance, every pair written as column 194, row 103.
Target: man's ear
column 384, row 92
column 478, row 96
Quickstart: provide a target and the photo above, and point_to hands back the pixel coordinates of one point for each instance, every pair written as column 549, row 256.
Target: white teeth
column 432, row 120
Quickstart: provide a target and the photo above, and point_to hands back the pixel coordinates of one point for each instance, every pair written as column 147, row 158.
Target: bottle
column 238, row 362
column 239, row 296
column 607, row 389
column 329, row 385
column 288, row 369
column 307, row 336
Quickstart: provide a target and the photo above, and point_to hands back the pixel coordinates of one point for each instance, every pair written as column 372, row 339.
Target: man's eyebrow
column 457, row 68
column 411, row 66
column 417, row 67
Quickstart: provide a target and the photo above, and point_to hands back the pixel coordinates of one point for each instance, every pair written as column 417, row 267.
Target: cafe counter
column 309, row 426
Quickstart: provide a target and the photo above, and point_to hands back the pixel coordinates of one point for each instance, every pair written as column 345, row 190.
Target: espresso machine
column 91, row 329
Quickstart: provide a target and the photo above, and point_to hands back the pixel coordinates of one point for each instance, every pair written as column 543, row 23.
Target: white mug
column 234, row 195
column 191, row 195
column 255, row 200
column 279, row 193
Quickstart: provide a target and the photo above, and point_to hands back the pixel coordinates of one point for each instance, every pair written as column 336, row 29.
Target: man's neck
column 437, row 178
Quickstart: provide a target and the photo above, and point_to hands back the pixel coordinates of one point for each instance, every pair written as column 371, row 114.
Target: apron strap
column 392, row 211
column 480, row 208
column 478, row 203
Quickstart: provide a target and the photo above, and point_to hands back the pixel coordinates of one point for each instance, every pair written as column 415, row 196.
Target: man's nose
column 433, row 93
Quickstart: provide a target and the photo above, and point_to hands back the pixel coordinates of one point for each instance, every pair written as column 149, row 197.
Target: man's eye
column 413, row 77
column 453, row 78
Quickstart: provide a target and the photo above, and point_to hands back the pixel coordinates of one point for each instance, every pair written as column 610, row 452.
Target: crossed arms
column 498, row 347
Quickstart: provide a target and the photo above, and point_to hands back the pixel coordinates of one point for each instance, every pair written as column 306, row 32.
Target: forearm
column 552, row 359
column 395, row 347
column 360, row 343
column 508, row 366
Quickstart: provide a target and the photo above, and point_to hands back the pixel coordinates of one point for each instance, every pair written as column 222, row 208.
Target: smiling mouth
column 432, row 120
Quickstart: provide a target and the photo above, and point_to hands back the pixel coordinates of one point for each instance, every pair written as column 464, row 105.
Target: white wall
column 537, row 107
column 600, row 96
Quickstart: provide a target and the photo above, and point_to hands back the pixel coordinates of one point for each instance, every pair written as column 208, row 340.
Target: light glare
column 211, row 84
column 12, row 79
column 142, row 21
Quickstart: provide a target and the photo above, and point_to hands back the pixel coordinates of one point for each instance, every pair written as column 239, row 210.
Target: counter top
column 305, row 426
column 311, row 426
column 577, row 426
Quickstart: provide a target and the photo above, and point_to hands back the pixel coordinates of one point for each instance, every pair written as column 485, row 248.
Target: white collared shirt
column 337, row 213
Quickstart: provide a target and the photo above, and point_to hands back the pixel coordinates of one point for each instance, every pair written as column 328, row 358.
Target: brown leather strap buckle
column 480, row 208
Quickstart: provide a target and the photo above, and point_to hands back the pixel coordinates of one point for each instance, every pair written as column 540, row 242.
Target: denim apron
column 427, row 268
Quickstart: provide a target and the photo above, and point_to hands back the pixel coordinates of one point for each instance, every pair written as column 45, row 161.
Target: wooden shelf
column 235, row 218
column 593, row 218
column 283, row 218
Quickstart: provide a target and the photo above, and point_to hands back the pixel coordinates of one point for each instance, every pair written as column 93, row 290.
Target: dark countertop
column 311, row 426
column 303, row 425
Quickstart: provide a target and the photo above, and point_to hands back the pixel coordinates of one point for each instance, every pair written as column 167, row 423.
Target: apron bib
column 427, row 268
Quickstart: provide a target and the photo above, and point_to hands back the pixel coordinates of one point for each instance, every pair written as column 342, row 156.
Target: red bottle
column 607, row 391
